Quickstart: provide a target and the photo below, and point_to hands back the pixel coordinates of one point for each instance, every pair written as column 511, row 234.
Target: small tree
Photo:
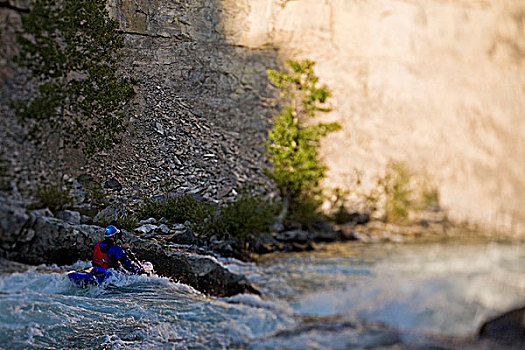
column 70, row 48
column 293, row 143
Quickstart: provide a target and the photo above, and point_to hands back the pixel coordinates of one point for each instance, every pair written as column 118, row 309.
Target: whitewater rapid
column 346, row 295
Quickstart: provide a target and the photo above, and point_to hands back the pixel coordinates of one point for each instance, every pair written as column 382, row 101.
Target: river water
column 351, row 295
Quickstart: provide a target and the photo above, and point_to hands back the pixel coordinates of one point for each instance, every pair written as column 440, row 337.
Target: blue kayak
column 90, row 275
column 97, row 275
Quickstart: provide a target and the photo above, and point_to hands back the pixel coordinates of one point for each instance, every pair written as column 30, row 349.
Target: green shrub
column 179, row 210
column 187, row 208
column 250, row 213
column 52, row 197
column 305, row 209
column 126, row 222
column 152, row 208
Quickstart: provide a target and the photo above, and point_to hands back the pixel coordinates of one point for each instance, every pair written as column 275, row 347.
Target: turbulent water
column 348, row 295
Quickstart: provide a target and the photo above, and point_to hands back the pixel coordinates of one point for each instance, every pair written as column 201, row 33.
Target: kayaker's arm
column 118, row 254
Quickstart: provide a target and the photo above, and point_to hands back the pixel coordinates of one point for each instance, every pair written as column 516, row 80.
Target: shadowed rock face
column 35, row 239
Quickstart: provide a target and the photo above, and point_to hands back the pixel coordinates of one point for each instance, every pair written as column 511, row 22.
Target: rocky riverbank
column 36, row 237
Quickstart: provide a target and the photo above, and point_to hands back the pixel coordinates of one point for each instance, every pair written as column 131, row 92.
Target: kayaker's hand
column 125, row 246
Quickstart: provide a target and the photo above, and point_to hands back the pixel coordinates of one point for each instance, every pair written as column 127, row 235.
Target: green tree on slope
column 293, row 141
column 71, row 50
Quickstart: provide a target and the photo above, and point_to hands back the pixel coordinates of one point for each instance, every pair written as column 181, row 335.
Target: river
column 351, row 295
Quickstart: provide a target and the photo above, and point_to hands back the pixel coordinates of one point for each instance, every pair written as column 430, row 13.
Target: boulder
column 298, row 236
column 111, row 212
column 184, row 236
column 508, row 328
column 203, row 273
column 263, row 244
column 147, row 221
column 326, row 236
column 12, row 221
column 113, row 184
column 72, row 217
column 164, row 229
column 86, row 220
column 145, row 229
column 42, row 212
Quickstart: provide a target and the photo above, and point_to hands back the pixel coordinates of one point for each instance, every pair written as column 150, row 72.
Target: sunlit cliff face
column 439, row 84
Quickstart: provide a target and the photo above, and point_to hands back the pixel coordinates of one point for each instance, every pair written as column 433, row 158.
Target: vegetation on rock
column 127, row 222
column 405, row 192
column 51, row 197
column 70, row 49
column 294, row 140
column 249, row 214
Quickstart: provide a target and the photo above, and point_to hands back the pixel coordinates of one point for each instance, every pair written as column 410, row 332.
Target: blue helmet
column 111, row 231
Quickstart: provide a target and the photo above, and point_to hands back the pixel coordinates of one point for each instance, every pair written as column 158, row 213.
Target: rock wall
column 438, row 84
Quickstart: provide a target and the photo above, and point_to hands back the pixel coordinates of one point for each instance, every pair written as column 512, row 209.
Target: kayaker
column 108, row 254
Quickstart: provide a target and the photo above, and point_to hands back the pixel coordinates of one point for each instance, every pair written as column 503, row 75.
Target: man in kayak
column 108, row 254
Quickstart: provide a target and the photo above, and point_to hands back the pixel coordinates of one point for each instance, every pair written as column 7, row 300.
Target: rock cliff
column 438, row 84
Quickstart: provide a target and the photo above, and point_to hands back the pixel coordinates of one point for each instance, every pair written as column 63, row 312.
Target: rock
column 12, row 220
column 42, row 212
column 326, row 236
column 178, row 227
column 163, row 229
column 145, row 229
column 277, row 227
column 72, row 217
column 113, row 184
column 48, row 240
column 348, row 235
column 262, row 244
column 86, row 220
column 184, row 236
column 299, row 247
column 224, row 248
column 147, row 221
column 298, row 236
column 85, row 179
column 508, row 328
column 201, row 272
column 111, row 212
column 360, row 218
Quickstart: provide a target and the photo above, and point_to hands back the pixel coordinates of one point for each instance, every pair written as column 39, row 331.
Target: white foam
column 257, row 302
